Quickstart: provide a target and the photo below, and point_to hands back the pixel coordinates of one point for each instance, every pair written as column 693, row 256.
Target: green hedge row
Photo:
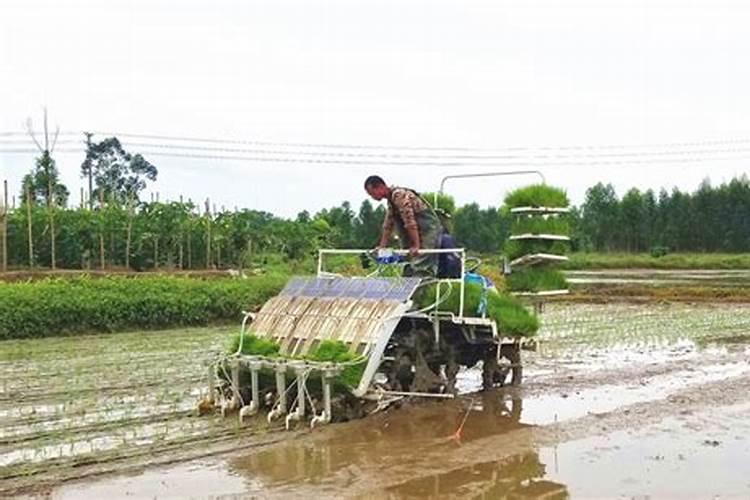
column 81, row 305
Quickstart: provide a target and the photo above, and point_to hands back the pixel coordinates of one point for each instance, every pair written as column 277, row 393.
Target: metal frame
column 436, row 251
column 485, row 174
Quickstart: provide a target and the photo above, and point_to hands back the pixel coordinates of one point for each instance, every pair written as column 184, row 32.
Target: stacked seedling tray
column 539, row 241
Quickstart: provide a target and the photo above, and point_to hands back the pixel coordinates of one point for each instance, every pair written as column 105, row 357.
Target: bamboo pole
column 31, row 234
column 208, row 233
column 4, row 227
column 51, row 216
column 189, row 245
column 182, row 239
column 101, row 230
column 129, row 232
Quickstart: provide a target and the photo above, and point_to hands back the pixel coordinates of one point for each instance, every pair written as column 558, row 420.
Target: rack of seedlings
column 539, row 242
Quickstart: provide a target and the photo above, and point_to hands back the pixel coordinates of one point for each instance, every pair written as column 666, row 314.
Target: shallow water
column 611, row 389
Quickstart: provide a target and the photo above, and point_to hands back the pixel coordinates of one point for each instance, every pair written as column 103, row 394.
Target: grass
column 536, row 280
column 512, row 318
column 537, row 195
column 669, row 261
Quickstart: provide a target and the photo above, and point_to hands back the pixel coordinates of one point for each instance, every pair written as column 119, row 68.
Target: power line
column 11, row 142
column 649, row 161
column 538, row 160
column 25, row 134
column 465, row 149
column 703, row 143
column 441, row 157
column 387, row 156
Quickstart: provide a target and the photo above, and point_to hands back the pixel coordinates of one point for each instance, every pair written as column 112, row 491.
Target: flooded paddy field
column 619, row 400
column 656, row 277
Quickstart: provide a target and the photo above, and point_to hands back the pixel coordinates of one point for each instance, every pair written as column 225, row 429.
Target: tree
column 44, row 179
column 481, row 230
column 368, row 225
column 341, row 221
column 118, row 175
column 599, row 216
column 650, row 217
column 43, row 183
column 631, row 220
column 445, row 202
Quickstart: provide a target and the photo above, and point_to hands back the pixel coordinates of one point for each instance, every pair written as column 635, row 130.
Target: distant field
column 670, row 261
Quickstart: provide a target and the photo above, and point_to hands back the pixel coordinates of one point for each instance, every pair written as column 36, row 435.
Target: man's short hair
column 374, row 181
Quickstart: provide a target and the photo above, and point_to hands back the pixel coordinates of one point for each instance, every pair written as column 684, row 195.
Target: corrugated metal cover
column 399, row 289
column 351, row 310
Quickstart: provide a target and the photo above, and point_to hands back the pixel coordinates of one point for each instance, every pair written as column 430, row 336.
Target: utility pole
column 90, row 172
column 46, row 162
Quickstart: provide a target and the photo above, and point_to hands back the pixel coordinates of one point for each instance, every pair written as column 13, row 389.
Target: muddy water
column 688, row 456
column 620, row 400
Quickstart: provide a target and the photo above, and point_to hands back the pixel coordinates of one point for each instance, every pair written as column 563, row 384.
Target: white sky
column 465, row 73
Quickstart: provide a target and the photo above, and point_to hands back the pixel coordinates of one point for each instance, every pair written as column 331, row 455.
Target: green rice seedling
column 512, row 318
column 327, row 351
column 445, row 202
column 336, row 351
column 514, row 249
column 253, row 345
column 541, row 225
column 537, row 195
column 536, row 279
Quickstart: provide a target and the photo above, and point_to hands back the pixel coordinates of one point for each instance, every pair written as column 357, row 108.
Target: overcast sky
column 459, row 73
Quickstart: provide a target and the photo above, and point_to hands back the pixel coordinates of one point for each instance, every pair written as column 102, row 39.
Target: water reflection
column 414, row 451
column 519, row 477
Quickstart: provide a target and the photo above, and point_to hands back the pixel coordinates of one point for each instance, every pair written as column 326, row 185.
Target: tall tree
column 44, row 179
column 368, row 224
column 119, row 176
column 631, row 215
column 599, row 216
column 43, row 183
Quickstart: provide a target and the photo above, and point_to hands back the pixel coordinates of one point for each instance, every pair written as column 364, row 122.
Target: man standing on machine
column 416, row 223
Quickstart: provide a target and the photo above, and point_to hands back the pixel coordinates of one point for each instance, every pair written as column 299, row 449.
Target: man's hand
column 413, row 251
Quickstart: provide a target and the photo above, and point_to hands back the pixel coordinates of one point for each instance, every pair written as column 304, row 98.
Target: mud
column 619, row 400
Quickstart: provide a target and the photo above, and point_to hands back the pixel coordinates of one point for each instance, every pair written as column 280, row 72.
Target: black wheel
column 493, row 375
column 403, row 375
column 512, row 353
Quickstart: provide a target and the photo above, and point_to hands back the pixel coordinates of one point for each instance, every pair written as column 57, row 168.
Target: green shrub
column 512, row 318
column 83, row 305
column 659, row 251
column 537, row 195
column 536, row 279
